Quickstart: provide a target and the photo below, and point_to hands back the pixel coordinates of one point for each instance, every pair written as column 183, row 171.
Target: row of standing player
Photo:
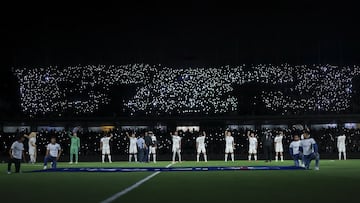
column 304, row 150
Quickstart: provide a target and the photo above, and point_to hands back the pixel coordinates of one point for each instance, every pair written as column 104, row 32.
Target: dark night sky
column 176, row 34
column 203, row 33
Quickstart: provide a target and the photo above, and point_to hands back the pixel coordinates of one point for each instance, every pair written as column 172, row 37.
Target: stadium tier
column 142, row 89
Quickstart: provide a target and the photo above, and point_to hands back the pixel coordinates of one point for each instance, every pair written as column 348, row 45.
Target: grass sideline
column 337, row 181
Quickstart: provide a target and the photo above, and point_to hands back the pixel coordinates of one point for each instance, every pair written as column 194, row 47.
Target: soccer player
column 229, row 145
column 53, row 152
column 294, row 149
column 16, row 153
column 153, row 146
column 279, row 146
column 132, row 146
column 32, row 146
column 302, row 162
column 176, row 148
column 200, row 146
column 74, row 147
column 253, row 145
column 309, row 149
column 341, row 145
column 105, row 147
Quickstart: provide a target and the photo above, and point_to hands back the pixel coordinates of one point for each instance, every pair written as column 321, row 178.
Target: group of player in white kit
column 302, row 151
column 134, row 143
column 201, row 147
column 253, row 146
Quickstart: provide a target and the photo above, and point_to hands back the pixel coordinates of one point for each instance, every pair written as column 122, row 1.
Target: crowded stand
column 163, row 90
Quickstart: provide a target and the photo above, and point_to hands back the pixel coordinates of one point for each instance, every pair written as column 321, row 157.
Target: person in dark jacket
column 148, row 143
column 267, row 145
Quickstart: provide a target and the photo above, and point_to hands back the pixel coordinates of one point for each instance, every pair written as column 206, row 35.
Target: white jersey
column 200, row 141
column 133, row 141
column 153, row 139
column 32, row 141
column 105, row 142
column 278, row 140
column 252, row 145
column 17, row 149
column 341, row 141
column 307, row 145
column 229, row 144
column 278, row 143
column 252, row 142
column 176, row 141
column 229, row 141
column 53, row 149
column 152, row 149
column 132, row 146
column 294, row 145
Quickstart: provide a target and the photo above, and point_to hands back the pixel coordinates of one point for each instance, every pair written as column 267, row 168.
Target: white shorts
column 279, row 148
column 229, row 150
column 132, row 150
column 252, row 150
column 152, row 150
column 176, row 149
column 106, row 151
column 201, row 150
column 341, row 149
column 31, row 151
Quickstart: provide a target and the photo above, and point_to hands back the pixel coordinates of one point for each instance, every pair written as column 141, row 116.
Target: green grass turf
column 337, row 181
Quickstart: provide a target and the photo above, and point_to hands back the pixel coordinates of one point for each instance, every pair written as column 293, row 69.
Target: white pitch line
column 126, row 190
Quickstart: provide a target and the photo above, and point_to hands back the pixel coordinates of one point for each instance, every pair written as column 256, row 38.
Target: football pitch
column 337, row 181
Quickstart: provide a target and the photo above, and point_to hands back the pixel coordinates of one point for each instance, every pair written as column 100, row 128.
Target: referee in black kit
column 267, row 145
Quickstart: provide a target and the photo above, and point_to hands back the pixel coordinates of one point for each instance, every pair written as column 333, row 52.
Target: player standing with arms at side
column 74, row 146
column 141, row 148
column 229, row 145
column 309, row 149
column 268, row 144
column 152, row 148
column 200, row 146
column 253, row 145
column 32, row 146
column 105, row 147
column 341, row 145
column 53, row 152
column 16, row 153
column 132, row 146
column 148, row 143
column 294, row 150
column 279, row 146
column 176, row 148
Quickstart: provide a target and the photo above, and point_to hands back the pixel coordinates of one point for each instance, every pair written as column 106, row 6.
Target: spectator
column 141, row 148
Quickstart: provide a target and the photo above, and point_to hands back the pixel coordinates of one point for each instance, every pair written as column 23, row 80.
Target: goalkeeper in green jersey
column 74, row 147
